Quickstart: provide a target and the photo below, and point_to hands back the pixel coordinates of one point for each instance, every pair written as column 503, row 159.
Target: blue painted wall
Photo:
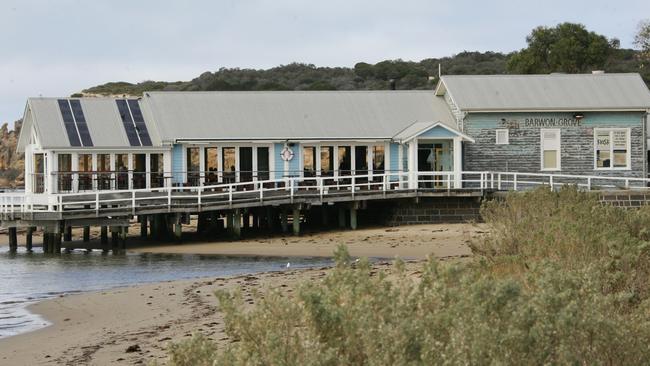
column 437, row 132
column 294, row 165
column 394, row 159
column 279, row 163
column 177, row 164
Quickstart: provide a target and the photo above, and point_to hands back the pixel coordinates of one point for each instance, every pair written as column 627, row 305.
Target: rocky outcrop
column 11, row 163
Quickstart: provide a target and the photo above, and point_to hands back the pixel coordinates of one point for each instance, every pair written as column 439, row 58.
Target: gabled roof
column 291, row 115
column 416, row 129
column 556, row 92
column 102, row 117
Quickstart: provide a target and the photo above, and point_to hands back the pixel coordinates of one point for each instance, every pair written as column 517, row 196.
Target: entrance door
column 211, row 165
column 431, row 158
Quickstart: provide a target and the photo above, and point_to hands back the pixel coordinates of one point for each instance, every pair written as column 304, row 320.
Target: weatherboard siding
column 177, row 164
column 279, row 163
column 522, row 154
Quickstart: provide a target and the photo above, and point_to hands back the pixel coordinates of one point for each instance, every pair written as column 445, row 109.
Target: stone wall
column 425, row 211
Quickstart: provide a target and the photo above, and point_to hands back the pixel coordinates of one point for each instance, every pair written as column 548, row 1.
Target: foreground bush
column 559, row 279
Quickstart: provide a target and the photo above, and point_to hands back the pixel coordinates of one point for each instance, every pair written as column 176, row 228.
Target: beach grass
column 558, row 279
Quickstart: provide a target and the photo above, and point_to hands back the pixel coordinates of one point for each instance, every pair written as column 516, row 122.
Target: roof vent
column 598, row 72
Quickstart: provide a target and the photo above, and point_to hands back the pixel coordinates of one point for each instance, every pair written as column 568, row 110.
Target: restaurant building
column 586, row 124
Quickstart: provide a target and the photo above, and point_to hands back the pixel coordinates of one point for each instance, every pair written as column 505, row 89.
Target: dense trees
column 567, row 47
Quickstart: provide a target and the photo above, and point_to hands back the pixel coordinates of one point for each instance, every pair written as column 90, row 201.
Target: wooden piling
column 67, row 234
column 353, row 218
column 57, row 243
column 28, row 239
column 13, row 239
column 143, row 226
column 46, row 242
column 341, row 218
column 284, row 220
column 324, row 216
column 296, row 221
column 86, row 234
column 124, row 233
column 103, row 238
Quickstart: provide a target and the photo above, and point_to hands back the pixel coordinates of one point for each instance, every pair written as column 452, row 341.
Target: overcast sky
column 56, row 48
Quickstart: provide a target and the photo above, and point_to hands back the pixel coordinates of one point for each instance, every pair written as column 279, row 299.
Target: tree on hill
column 567, row 47
column 642, row 39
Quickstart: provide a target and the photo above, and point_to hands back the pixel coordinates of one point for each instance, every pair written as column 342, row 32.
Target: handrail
column 294, row 187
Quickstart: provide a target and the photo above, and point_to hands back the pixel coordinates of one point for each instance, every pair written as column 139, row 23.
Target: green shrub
column 559, row 279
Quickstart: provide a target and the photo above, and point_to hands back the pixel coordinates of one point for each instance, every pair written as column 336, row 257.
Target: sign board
column 542, row 122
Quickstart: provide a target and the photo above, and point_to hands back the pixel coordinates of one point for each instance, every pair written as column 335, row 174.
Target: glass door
column 263, row 164
column 245, row 164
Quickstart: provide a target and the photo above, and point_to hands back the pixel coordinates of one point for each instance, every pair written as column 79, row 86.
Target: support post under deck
column 296, row 221
column 341, row 218
column 28, row 239
column 13, row 239
column 353, row 218
column 86, row 236
column 284, row 220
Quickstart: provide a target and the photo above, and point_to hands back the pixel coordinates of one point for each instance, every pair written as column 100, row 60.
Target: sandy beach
column 98, row 328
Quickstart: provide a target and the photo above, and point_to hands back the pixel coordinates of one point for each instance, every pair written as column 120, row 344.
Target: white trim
column 427, row 128
column 558, row 141
column 628, row 155
column 507, row 136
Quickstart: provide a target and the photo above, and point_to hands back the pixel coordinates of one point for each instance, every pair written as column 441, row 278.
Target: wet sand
column 97, row 328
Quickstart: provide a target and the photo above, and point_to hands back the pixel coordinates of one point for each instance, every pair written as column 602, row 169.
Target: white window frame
column 559, row 149
column 507, row 136
column 628, row 155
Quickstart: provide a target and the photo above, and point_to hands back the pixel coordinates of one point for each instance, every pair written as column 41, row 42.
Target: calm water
column 29, row 277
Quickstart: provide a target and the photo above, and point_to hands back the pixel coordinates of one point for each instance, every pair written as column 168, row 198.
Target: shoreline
column 97, row 327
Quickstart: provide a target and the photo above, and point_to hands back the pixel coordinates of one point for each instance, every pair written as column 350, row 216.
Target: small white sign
column 286, row 154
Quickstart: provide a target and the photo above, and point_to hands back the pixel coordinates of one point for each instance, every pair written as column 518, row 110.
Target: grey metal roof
column 571, row 92
column 103, row 119
column 280, row 115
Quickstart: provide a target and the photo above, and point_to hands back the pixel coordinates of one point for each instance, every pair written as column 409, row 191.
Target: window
column 104, row 166
column 344, row 161
column 65, row 172
column 85, row 172
column 611, row 148
column 326, row 161
column 193, row 166
column 229, row 164
column 378, row 159
column 502, row 137
column 309, row 161
column 211, row 165
column 122, row 167
column 550, row 148
column 156, row 164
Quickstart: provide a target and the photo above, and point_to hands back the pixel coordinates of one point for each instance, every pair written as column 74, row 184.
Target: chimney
column 393, row 84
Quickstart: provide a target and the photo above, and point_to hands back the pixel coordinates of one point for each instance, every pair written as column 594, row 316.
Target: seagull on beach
column 288, row 264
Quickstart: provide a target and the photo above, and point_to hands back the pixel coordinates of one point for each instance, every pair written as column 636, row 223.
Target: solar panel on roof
column 80, row 120
column 127, row 121
column 68, row 122
column 140, row 126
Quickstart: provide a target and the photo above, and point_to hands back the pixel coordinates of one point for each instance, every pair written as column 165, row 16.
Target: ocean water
column 29, row 277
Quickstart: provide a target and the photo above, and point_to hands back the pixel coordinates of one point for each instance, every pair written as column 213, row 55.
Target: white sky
column 58, row 47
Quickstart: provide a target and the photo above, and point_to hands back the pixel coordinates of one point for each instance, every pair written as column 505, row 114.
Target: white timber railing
column 292, row 189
